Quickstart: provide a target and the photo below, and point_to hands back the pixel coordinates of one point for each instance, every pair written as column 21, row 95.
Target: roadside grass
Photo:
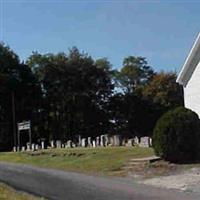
column 8, row 193
column 101, row 161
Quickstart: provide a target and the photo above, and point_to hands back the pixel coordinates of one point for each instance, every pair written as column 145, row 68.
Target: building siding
column 192, row 91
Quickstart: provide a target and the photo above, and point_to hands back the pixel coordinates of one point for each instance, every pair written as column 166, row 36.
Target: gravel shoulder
column 188, row 181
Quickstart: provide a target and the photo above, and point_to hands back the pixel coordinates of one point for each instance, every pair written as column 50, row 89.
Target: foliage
column 70, row 94
column 75, row 90
column 16, row 81
column 134, row 73
column 176, row 136
column 132, row 115
column 164, row 90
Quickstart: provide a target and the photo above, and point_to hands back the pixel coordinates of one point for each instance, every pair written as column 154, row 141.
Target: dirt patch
column 188, row 180
column 158, row 168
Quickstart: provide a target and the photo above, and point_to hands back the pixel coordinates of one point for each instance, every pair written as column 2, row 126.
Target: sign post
column 26, row 125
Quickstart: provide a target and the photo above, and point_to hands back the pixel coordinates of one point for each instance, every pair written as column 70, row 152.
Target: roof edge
column 181, row 79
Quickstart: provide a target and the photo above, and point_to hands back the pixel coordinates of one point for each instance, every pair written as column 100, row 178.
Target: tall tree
column 75, row 90
column 17, row 89
column 134, row 73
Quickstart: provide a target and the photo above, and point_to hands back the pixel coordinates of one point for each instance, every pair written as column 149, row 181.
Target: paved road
column 58, row 185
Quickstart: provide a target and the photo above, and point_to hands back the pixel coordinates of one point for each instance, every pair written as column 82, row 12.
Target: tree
column 75, row 90
column 17, row 87
column 164, row 91
column 134, row 73
column 132, row 115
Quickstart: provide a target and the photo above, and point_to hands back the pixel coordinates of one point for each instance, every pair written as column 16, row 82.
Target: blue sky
column 161, row 31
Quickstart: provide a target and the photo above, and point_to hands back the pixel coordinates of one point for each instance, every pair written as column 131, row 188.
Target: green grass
column 102, row 161
column 7, row 193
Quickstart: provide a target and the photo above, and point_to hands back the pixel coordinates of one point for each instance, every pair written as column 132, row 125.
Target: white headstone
column 89, row 142
column 144, row 142
column 23, row 148
column 33, row 147
column 58, row 144
column 36, row 147
column 97, row 141
column 28, row 147
column 112, row 141
column 94, row 143
column 52, row 144
column 83, row 142
column 107, row 140
column 117, row 140
column 130, row 142
column 42, row 145
column 136, row 140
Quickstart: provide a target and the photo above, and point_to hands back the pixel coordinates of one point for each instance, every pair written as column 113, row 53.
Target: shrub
column 176, row 137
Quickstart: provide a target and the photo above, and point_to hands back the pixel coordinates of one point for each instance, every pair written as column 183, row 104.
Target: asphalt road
column 59, row 185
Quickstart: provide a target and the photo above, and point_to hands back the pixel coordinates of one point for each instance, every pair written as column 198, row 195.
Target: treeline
column 70, row 94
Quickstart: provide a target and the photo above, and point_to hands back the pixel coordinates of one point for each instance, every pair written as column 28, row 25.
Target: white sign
column 24, row 125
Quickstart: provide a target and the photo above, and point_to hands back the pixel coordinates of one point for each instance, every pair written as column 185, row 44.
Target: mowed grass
column 102, row 161
column 7, row 193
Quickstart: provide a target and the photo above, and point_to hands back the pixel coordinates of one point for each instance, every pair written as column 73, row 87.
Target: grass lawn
column 102, row 161
column 7, row 193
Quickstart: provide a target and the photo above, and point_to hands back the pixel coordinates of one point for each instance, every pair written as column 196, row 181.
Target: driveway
column 59, row 185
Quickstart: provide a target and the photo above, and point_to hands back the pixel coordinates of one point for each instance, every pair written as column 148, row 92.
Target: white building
column 189, row 78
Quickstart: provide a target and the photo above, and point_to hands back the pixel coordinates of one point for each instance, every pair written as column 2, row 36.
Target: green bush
column 176, row 137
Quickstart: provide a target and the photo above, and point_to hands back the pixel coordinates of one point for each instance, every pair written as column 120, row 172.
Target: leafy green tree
column 75, row 90
column 134, row 73
column 17, row 87
column 132, row 115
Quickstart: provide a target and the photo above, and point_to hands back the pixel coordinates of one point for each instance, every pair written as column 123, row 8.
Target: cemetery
column 100, row 141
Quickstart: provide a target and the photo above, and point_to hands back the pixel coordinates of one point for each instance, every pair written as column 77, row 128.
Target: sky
column 161, row 31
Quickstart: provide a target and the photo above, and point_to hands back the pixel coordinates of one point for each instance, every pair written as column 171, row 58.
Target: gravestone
column 144, row 142
column 28, row 147
column 36, row 147
column 150, row 142
column 23, row 148
column 52, row 144
column 14, row 149
column 89, row 142
column 33, row 147
column 136, row 140
column 111, row 141
column 73, row 145
column 69, row 144
column 42, row 145
column 94, row 143
column 130, row 142
column 79, row 140
column 124, row 142
column 97, row 141
column 83, row 142
column 107, row 140
column 58, row 144
column 117, row 140
column 102, row 142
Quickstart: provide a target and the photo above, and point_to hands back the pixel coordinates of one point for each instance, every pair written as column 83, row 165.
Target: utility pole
column 14, row 120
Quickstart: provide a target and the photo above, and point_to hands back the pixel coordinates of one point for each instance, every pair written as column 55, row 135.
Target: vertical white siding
column 192, row 91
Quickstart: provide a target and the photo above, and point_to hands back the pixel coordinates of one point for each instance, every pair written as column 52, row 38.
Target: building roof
column 190, row 63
